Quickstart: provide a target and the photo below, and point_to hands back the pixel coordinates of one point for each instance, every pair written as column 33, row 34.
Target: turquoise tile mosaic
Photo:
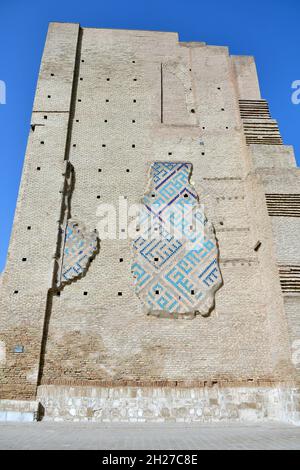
column 175, row 263
column 79, row 248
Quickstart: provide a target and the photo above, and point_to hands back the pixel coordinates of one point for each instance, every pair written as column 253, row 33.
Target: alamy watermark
column 2, row 92
column 296, row 94
column 152, row 221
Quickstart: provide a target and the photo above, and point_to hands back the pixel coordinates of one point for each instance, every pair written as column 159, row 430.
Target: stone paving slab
column 146, row 436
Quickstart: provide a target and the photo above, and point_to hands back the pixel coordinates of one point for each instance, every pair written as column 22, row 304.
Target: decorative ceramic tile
column 175, row 263
column 79, row 248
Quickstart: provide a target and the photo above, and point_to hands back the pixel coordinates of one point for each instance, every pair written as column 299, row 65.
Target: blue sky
column 267, row 29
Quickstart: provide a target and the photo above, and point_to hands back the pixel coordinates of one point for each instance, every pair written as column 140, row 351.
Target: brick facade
column 109, row 101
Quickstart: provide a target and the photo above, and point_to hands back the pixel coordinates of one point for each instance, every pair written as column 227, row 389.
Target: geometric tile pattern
column 79, row 248
column 175, row 265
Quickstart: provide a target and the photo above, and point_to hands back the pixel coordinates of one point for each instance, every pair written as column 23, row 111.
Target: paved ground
column 47, row 435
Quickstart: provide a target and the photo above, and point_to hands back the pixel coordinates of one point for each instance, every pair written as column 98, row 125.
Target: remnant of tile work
column 175, row 264
column 79, row 248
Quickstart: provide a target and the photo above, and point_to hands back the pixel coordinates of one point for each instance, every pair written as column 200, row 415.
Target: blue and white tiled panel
column 79, row 248
column 175, row 264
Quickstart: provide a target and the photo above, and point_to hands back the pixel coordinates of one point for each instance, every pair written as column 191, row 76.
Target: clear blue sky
column 267, row 29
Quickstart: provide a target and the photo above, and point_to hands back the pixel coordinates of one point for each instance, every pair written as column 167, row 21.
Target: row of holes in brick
column 100, row 169
column 133, row 121
column 134, row 79
column 119, row 293
column 134, row 101
column 42, row 142
column 157, row 292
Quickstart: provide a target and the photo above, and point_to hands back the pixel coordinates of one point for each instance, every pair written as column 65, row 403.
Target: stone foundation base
column 19, row 411
column 143, row 404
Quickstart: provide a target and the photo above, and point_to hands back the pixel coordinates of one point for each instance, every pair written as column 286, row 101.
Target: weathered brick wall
column 140, row 97
column 28, row 273
column 280, row 180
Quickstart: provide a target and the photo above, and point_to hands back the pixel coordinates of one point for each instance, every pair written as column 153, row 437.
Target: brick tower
column 75, row 340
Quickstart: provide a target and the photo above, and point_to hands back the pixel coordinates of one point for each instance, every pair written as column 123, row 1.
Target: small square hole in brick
column 42, row 142
column 105, row 120
column 45, row 117
column 81, row 78
column 127, row 170
column 135, row 79
column 24, row 259
column 108, row 79
column 222, row 109
column 134, row 101
column 49, row 96
column 85, row 293
column 157, row 292
column 133, row 120
column 79, row 100
column 121, row 260
column 192, row 110
column 82, row 60
column 98, row 197
column 203, row 127
column 133, row 146
column 74, row 145
column 133, row 61
column 257, row 246
column 77, row 120
column 38, row 168
column 155, row 259
column 202, row 153
column 52, row 74
column 103, row 145
column 106, row 101
column 29, row 227
column 192, row 292
column 58, row 294
column 99, row 170
column 16, row 291
column 169, row 153
column 120, row 293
